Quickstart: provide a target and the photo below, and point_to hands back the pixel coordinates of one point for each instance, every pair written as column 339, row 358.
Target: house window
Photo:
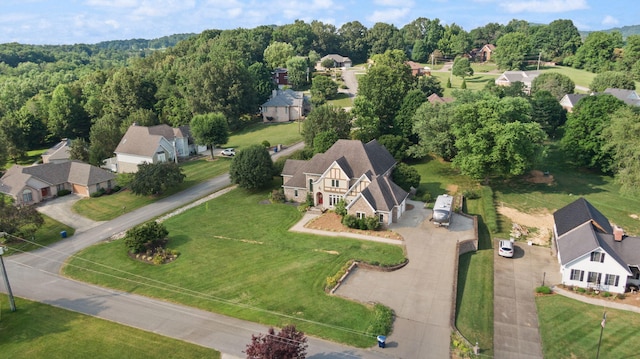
column 577, row 274
column 295, row 193
column 360, row 215
column 333, row 199
column 611, row 279
column 27, row 196
column 381, row 218
column 335, row 183
column 310, row 185
column 597, row 257
column 594, row 277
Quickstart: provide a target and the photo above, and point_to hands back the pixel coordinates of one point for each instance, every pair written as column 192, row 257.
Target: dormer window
column 597, row 257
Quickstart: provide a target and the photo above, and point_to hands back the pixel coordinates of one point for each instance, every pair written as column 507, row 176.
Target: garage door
column 81, row 190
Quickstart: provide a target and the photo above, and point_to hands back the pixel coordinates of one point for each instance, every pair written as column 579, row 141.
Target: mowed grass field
column 238, row 258
column 38, row 330
column 571, row 329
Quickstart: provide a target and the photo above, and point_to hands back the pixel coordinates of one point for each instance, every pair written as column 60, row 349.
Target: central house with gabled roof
column 351, row 170
column 593, row 253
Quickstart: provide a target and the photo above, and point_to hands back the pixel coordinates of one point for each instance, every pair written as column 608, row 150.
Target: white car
column 505, row 248
column 228, row 152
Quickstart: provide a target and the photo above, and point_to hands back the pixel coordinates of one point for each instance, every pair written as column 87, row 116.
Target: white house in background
column 509, row 77
column 155, row 144
column 338, row 61
column 356, row 172
column 593, row 253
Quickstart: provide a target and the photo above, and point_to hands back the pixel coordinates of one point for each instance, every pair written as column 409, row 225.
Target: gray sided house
column 33, row 184
column 509, row 77
column 155, row 144
column 351, row 170
column 285, row 105
column 593, row 253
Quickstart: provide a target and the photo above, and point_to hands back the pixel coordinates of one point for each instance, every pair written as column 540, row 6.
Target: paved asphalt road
column 35, row 276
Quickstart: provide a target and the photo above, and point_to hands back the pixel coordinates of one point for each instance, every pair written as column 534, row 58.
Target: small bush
column 372, row 223
column 382, row 322
column 310, row 200
column 543, row 290
column 469, row 194
column 426, row 197
column 266, row 143
column 581, row 290
column 350, row 221
column 63, row 192
column 303, row 207
column 277, row 196
column 341, row 208
column 116, row 188
column 98, row 193
column 606, row 294
column 621, row 296
column 332, row 281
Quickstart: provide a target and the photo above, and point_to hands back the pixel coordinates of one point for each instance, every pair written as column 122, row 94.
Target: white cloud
column 610, row 20
column 388, row 15
column 113, row 3
column 395, row 3
column 163, row 8
column 550, row 6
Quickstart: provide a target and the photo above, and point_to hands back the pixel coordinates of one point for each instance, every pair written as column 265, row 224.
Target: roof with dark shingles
column 578, row 212
column 573, row 98
column 383, row 194
column 285, row 98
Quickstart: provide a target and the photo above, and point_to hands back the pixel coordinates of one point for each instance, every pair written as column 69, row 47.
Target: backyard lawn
column 238, row 258
column 47, row 234
column 571, row 329
column 279, row 133
column 38, row 330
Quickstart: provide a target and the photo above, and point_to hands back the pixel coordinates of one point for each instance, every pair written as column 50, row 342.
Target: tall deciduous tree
column 323, row 88
column 19, row 221
column 155, row 178
column 66, row 115
column 210, row 129
column 612, row 79
column 555, row 83
column 433, row 127
column 298, row 71
column 597, row 52
column 454, row 41
column 252, row 167
column 547, row 111
column 403, row 122
column 277, row 54
column 383, row 37
column 511, row 51
column 461, row 67
column 353, row 41
column 104, row 138
column 79, row 150
column 582, row 140
column 622, row 140
column 326, row 118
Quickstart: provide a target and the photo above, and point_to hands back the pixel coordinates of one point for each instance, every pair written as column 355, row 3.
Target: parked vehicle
column 442, row 210
column 228, row 152
column 505, row 248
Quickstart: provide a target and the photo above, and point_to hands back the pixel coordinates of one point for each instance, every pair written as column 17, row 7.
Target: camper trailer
column 442, row 210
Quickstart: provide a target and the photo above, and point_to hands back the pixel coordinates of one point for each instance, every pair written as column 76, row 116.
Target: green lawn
column 47, row 234
column 341, row 100
column 579, row 77
column 476, row 82
column 111, row 206
column 41, row 331
column 31, row 158
column 280, row 133
column 571, row 329
column 238, row 258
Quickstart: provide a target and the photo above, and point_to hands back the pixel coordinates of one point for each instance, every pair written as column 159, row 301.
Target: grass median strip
column 277, row 282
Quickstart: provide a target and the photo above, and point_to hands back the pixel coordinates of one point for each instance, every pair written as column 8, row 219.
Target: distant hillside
column 625, row 31
column 143, row 44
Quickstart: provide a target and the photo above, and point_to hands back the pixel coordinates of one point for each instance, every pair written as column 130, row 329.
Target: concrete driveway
column 60, row 209
column 421, row 293
column 515, row 329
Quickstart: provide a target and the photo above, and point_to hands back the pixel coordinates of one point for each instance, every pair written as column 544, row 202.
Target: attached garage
column 81, row 190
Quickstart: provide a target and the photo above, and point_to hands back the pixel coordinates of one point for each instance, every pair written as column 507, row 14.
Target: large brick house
column 351, row 170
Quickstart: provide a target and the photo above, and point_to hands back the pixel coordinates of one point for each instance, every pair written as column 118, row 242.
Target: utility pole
column 12, row 302
column 604, row 321
column 539, row 55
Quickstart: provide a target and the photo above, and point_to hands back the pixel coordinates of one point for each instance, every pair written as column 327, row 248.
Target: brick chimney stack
column 618, row 234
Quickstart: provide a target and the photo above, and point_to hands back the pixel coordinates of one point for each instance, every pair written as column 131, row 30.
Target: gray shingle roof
column 630, row 97
column 573, row 98
column 285, row 98
column 144, row 141
column 518, row 76
column 383, row 194
column 578, row 212
column 53, row 174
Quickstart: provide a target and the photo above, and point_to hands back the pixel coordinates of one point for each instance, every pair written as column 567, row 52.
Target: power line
column 171, row 287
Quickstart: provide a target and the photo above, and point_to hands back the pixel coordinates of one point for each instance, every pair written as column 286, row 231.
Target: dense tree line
column 95, row 92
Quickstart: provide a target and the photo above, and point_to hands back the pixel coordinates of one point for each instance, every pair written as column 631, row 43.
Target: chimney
column 618, row 234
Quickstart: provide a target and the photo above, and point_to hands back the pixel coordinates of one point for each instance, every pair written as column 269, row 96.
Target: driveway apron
column 60, row 209
column 420, row 293
column 516, row 333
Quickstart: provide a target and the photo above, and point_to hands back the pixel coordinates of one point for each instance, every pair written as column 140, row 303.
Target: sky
column 56, row 22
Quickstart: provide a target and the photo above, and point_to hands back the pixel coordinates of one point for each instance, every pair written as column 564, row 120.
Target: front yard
column 238, row 258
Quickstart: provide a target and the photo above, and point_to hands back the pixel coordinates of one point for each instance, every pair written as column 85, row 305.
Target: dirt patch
column 542, row 221
column 536, row 176
column 452, row 188
column 330, row 221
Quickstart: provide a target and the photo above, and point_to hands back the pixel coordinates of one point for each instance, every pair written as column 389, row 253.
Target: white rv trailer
column 442, row 210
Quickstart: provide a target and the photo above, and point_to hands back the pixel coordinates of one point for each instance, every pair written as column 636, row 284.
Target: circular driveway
column 421, row 293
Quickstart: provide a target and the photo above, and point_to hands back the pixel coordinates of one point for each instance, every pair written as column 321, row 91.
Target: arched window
column 27, row 196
